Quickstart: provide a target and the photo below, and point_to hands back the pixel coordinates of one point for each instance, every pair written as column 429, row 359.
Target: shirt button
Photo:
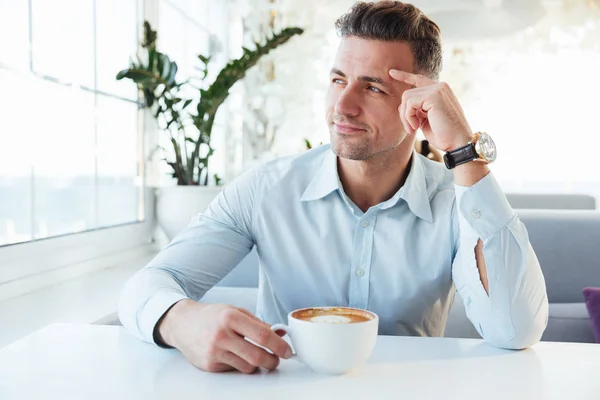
column 476, row 214
column 360, row 272
column 365, row 223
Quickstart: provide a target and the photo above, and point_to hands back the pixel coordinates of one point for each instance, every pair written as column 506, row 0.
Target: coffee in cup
column 331, row 340
column 333, row 315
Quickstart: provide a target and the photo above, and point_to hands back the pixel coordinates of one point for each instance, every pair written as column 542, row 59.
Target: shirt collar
column 326, row 179
column 414, row 191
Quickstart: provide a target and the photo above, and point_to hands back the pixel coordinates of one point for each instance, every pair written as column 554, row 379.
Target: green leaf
column 158, row 64
column 172, row 165
column 173, row 71
column 122, row 74
column 170, row 122
column 137, row 75
column 186, row 103
column 151, row 59
column 159, row 111
column 150, row 36
column 165, row 66
column 148, row 97
column 204, row 59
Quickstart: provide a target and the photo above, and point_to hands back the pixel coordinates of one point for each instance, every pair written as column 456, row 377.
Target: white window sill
column 85, row 299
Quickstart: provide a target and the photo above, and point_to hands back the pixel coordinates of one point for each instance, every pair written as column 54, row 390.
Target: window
column 74, row 146
column 70, row 158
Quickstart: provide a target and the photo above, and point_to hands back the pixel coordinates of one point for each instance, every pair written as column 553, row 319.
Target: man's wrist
column 166, row 328
column 470, row 173
column 462, row 141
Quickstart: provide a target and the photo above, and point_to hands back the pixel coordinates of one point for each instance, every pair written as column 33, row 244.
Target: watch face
column 486, row 147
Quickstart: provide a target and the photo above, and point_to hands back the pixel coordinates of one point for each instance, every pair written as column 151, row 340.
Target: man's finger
column 279, row 332
column 237, row 362
column 248, row 313
column 252, row 354
column 412, row 110
column 401, row 111
column 411, row 79
column 412, row 107
column 422, row 116
column 219, row 367
column 261, row 334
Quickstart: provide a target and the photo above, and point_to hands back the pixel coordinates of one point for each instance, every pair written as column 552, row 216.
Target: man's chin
column 356, row 154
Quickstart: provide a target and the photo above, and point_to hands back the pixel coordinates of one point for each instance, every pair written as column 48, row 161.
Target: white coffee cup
column 331, row 345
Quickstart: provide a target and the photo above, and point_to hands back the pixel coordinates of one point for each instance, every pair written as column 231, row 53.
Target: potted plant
column 156, row 77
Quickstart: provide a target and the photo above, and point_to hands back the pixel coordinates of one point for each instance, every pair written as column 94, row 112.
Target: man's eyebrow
column 370, row 79
column 335, row 71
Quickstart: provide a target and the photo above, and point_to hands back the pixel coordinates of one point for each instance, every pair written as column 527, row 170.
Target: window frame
column 36, row 257
column 25, row 266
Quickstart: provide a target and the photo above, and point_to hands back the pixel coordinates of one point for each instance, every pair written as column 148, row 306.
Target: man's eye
column 336, row 80
column 374, row 89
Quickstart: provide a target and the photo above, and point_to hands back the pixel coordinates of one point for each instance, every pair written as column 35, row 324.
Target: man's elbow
column 526, row 331
column 126, row 308
column 519, row 341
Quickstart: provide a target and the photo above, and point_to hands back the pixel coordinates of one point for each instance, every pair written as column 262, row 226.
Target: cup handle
column 288, row 331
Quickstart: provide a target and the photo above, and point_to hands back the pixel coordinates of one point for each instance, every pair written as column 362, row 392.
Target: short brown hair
column 396, row 21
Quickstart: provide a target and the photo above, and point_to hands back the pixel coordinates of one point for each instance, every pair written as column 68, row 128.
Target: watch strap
column 460, row 156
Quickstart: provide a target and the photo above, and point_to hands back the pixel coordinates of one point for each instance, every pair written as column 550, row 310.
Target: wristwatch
column 481, row 148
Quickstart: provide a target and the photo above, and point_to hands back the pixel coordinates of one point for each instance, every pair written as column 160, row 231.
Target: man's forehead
column 373, row 55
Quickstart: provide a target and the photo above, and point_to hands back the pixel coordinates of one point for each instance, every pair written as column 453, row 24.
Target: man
column 365, row 222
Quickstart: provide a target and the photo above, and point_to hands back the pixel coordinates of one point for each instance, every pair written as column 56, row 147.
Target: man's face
column 362, row 100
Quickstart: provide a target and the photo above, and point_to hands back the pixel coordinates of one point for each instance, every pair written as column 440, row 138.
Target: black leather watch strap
column 460, row 156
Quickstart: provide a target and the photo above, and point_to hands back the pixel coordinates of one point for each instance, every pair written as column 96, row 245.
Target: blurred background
column 82, row 159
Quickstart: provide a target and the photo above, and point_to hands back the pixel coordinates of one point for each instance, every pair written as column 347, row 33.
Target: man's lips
column 345, row 128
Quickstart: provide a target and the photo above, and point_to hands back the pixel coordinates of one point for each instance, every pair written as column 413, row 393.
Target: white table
column 67, row 361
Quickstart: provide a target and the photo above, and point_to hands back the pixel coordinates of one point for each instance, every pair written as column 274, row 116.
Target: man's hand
column 432, row 107
column 211, row 337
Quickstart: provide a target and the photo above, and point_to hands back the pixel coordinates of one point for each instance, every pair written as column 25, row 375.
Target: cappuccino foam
column 331, row 319
column 333, row 315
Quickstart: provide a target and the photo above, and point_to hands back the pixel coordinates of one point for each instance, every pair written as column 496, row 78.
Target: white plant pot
column 177, row 205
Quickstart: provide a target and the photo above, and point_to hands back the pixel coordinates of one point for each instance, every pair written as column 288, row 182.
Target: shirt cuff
column 154, row 309
column 484, row 206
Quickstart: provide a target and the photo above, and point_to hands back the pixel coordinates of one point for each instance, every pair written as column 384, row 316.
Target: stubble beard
column 351, row 148
column 358, row 149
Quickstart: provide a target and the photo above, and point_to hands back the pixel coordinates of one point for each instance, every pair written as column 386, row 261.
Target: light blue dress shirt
column 402, row 259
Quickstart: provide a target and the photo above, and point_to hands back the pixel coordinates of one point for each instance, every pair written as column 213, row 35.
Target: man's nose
column 347, row 103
